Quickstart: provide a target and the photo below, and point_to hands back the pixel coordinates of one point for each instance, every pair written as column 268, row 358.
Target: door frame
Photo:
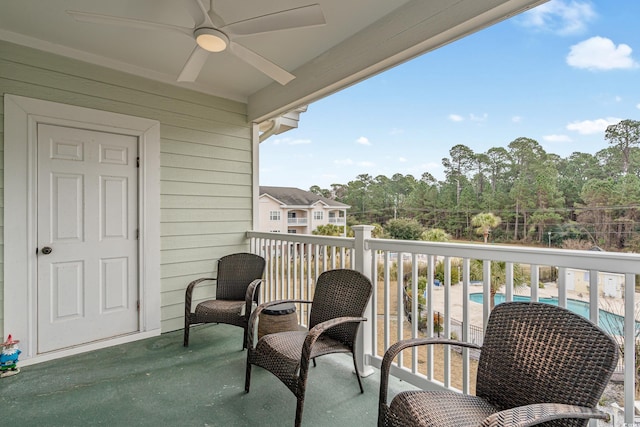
column 22, row 116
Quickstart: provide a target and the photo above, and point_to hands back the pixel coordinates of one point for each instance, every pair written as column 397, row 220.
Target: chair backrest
column 535, row 352
column 235, row 273
column 340, row 293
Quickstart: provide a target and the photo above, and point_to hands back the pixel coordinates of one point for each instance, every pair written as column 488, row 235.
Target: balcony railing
column 339, row 220
column 297, row 221
column 295, row 261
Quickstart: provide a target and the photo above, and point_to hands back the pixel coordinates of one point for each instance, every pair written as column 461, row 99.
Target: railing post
column 362, row 263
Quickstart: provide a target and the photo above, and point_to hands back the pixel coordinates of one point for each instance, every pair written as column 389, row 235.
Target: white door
column 87, row 236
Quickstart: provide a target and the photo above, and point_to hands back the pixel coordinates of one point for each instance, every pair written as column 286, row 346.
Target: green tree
column 485, row 222
column 540, row 220
column 596, row 211
column 574, row 172
column 320, row 191
column 329, row 230
column 498, row 276
column 402, row 186
column 424, row 198
column 525, row 154
column 456, row 168
column 624, row 136
column 403, row 229
column 626, row 197
column 435, row 235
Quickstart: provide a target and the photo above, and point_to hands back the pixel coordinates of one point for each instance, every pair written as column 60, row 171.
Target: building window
column 274, row 215
column 318, row 215
column 292, row 231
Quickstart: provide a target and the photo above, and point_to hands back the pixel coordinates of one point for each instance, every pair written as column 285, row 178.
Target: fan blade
column 96, row 18
column 305, row 16
column 197, row 12
column 217, row 21
column 264, row 65
column 194, row 65
column 200, row 14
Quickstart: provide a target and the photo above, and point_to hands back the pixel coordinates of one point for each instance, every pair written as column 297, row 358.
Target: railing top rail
column 587, row 260
column 343, row 242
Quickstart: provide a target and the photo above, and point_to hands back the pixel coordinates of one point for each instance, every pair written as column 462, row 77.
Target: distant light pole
column 549, row 233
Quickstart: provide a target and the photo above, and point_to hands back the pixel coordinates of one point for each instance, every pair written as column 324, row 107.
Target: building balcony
column 159, row 382
column 339, row 220
column 297, row 221
column 458, row 308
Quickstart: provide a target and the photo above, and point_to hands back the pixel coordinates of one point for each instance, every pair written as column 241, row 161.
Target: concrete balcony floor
column 158, row 382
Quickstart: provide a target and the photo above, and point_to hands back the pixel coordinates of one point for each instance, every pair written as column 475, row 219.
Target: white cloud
column 343, row 162
column 618, row 98
column 587, row 127
column 396, row 131
column 599, row 53
column 455, row 118
column 482, row 118
column 556, row 138
column 638, row 106
column 516, row 119
column 366, row 164
column 402, row 159
column 363, row 140
column 560, row 16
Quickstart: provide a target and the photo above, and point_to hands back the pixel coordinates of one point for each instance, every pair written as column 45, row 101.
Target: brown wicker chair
column 336, row 313
column 539, row 364
column 238, row 281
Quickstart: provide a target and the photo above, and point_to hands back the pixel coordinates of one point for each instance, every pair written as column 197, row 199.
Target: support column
column 362, row 263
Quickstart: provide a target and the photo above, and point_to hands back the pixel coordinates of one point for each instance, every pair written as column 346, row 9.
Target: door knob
column 46, row 250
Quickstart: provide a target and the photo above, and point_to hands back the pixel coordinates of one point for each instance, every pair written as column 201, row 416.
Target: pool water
column 610, row 322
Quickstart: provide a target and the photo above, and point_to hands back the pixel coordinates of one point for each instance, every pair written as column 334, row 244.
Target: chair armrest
column 397, row 347
column 189, row 292
column 314, row 334
column 252, row 294
column 531, row 415
column 255, row 313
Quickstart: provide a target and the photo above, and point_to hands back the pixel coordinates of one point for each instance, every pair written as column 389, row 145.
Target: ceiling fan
column 212, row 34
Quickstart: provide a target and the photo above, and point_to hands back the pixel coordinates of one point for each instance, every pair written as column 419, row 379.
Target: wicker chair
column 539, row 364
column 336, row 313
column 238, row 283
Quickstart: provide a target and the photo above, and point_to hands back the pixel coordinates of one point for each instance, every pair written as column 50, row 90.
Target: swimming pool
column 610, row 322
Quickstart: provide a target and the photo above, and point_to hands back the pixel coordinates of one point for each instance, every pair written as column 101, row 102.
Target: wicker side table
column 278, row 318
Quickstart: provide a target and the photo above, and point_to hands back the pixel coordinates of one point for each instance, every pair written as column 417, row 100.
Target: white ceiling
column 360, row 38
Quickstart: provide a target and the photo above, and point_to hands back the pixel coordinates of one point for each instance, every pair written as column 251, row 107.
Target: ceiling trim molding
column 113, row 64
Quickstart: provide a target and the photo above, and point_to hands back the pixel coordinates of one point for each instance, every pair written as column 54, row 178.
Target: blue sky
column 558, row 74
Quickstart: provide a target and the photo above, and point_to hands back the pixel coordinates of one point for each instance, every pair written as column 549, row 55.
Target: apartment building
column 292, row 210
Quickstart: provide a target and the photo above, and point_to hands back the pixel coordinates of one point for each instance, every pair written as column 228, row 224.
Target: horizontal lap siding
column 206, row 169
column 2, row 334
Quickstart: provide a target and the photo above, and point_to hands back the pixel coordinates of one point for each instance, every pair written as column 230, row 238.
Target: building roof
column 292, row 196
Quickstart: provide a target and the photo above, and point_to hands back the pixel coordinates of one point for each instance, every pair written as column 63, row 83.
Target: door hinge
column 137, row 162
column 138, row 305
column 137, row 234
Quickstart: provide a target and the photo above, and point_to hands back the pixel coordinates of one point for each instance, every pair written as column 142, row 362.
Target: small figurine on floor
column 9, row 357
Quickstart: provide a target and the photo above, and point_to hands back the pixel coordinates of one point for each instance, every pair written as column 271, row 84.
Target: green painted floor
column 158, row 382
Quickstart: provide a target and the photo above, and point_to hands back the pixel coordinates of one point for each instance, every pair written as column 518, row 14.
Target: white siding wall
column 206, row 160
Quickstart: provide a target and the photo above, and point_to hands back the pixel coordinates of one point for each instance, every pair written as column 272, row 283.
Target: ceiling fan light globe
column 211, row 40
